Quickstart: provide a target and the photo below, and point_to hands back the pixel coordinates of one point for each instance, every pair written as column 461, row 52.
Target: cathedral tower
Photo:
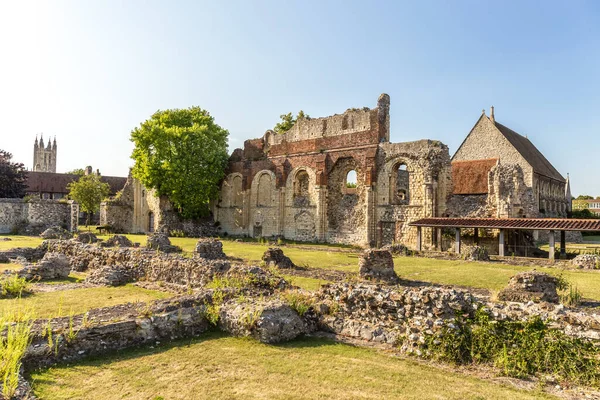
column 44, row 158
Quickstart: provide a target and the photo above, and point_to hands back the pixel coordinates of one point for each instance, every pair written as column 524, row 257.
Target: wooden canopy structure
column 548, row 224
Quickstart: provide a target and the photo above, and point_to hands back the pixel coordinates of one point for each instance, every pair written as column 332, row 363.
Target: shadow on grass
column 145, row 350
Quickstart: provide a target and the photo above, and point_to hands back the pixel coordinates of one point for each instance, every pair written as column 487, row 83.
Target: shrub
column 13, row 286
column 518, row 349
column 298, row 301
column 177, row 233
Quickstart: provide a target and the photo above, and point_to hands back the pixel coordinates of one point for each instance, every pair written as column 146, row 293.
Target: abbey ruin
column 297, row 184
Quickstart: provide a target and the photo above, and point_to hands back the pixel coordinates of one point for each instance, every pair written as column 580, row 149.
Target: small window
column 350, row 182
column 400, row 185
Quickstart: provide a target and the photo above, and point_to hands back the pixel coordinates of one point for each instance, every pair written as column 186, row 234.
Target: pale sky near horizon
column 88, row 72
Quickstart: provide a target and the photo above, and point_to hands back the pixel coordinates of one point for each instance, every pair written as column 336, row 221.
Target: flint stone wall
column 387, row 315
column 377, row 265
column 211, row 249
column 530, row 286
column 269, row 321
column 141, row 263
column 180, row 317
column 35, row 215
column 51, row 266
column 587, row 261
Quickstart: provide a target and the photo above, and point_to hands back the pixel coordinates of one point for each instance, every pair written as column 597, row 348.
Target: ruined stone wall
column 12, row 212
column 297, row 186
column 34, row 215
column 430, row 184
column 508, row 194
column 138, row 210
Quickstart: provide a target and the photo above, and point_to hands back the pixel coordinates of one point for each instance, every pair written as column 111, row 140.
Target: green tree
column 182, row 153
column 88, row 191
column 585, row 197
column 288, row 120
column 13, row 177
column 77, row 171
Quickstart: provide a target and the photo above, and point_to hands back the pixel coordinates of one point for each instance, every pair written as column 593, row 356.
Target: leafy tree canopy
column 88, row 191
column 77, row 171
column 13, row 177
column 288, row 120
column 585, row 197
column 182, row 153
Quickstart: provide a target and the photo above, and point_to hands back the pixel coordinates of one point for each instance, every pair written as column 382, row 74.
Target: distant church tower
column 44, row 158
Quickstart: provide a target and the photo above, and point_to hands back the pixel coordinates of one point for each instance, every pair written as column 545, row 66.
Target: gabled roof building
column 499, row 163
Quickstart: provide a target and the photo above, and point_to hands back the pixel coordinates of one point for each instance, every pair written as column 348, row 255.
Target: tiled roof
column 559, row 224
column 49, row 182
column 530, row 153
column 471, row 177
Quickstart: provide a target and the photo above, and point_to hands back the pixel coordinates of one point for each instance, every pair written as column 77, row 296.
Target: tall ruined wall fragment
column 296, row 184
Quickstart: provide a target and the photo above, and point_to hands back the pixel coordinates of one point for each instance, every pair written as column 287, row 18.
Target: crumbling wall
column 430, row 184
column 305, row 170
column 346, row 208
column 35, row 215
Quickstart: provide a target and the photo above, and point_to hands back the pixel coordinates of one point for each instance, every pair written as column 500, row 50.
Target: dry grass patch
column 219, row 367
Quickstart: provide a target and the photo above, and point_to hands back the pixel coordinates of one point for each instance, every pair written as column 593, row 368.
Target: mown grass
column 75, row 301
column 591, row 238
column 219, row 367
column 304, row 282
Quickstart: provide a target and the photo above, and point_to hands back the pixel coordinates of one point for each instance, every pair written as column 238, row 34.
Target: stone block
column 377, row 265
column 210, row 249
column 531, row 286
column 274, row 257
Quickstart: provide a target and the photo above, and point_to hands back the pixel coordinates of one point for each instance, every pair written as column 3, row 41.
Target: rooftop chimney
column 492, row 114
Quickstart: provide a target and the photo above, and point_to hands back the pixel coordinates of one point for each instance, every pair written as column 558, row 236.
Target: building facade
column 593, row 205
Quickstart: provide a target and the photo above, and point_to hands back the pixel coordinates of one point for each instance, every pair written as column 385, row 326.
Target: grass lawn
column 66, row 302
column 19, row 241
column 304, row 282
column 593, row 238
column 220, row 367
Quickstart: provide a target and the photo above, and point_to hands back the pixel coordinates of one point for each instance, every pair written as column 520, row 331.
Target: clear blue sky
column 90, row 71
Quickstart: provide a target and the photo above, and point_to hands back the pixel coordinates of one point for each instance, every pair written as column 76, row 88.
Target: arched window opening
column 301, row 192
column 400, row 185
column 350, row 182
column 237, row 191
column 264, row 191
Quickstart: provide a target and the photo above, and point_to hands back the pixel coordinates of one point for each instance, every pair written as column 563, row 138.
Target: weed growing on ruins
column 568, row 293
column 13, row 286
column 15, row 329
column 146, row 310
column 572, row 297
column 71, row 332
column 300, row 302
column 518, row 349
column 251, row 318
column 213, row 309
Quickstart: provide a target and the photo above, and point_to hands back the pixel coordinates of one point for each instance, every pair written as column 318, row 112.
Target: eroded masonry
column 297, row 184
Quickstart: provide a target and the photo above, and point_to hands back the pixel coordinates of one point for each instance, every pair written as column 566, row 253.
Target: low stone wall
column 405, row 317
column 35, row 215
column 128, row 325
